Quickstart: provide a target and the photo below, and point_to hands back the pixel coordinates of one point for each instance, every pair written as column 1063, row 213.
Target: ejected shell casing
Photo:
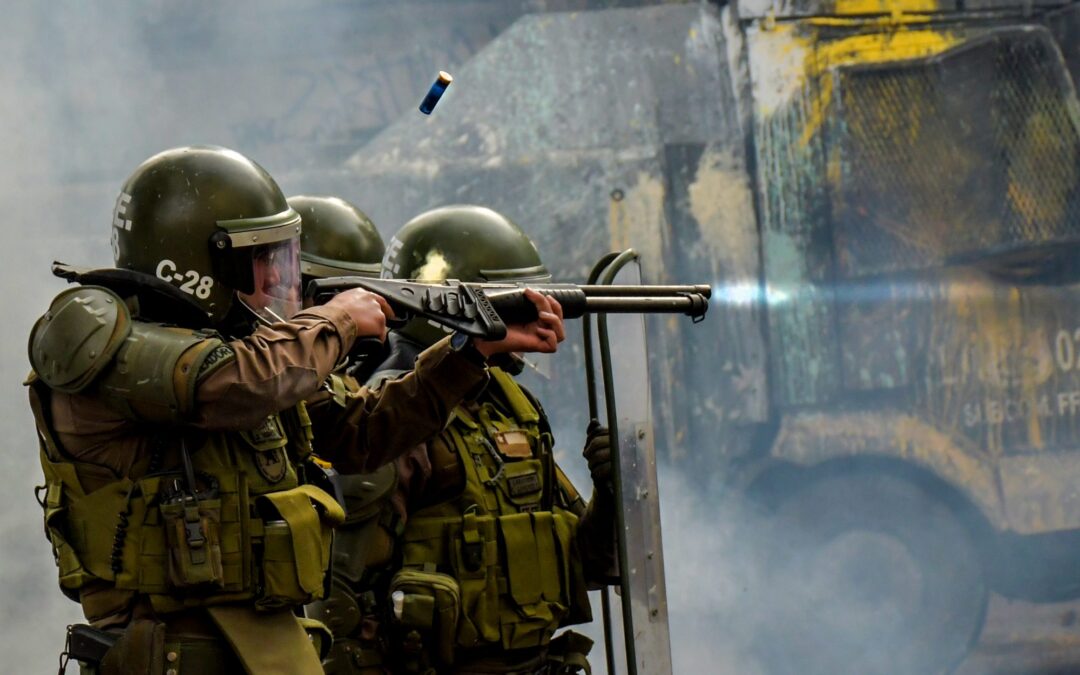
column 438, row 88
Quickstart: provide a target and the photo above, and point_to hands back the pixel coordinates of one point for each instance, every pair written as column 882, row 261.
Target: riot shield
column 621, row 344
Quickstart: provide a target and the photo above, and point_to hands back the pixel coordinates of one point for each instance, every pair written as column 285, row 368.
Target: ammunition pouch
column 145, row 648
column 429, row 604
column 242, row 532
column 568, row 654
column 296, row 545
column 87, row 645
column 515, row 573
column 192, row 522
column 189, row 551
column 319, row 634
column 510, row 548
column 140, row 649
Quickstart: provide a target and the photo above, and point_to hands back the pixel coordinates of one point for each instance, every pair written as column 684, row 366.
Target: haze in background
column 92, row 89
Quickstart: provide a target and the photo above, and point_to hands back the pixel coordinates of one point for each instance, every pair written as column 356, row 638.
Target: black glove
column 598, row 454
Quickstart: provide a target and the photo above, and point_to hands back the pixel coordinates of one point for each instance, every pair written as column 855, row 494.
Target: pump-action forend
column 483, row 309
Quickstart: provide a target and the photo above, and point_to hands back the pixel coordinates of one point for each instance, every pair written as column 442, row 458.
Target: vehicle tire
column 872, row 574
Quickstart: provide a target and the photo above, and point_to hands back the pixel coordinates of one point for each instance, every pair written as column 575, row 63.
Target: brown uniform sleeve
column 273, row 369
column 379, row 425
column 414, row 470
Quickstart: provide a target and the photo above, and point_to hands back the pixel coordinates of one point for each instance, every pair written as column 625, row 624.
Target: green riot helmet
column 468, row 243
column 338, row 239
column 215, row 224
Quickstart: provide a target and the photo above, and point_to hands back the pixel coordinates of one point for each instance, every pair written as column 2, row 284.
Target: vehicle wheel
column 875, row 575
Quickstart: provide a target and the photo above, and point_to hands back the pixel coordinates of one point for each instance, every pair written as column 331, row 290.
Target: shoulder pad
column 79, row 335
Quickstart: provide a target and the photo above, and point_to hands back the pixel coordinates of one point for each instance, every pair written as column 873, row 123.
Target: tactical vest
column 497, row 566
column 248, row 531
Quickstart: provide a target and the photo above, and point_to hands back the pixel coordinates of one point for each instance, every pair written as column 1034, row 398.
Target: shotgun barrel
column 483, row 309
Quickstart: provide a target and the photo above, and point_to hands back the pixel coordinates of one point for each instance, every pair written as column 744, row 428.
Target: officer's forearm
column 382, row 424
column 273, row 369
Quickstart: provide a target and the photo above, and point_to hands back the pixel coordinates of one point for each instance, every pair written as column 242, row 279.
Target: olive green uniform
column 469, row 552
column 229, row 546
column 485, row 543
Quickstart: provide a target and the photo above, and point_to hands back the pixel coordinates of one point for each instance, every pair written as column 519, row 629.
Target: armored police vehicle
column 885, row 194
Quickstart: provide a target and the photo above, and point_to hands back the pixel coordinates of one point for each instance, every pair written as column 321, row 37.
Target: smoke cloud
column 92, row 89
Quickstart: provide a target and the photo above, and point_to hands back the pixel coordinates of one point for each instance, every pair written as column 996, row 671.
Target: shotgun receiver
column 483, row 309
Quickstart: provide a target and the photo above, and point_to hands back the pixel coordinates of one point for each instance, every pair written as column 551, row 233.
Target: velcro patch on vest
column 513, row 443
column 271, row 464
column 269, row 431
column 524, row 484
column 218, row 357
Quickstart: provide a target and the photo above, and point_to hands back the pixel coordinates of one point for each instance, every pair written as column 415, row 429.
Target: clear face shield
column 276, row 271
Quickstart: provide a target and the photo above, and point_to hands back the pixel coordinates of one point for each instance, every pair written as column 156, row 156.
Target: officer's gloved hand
column 596, row 529
column 598, row 454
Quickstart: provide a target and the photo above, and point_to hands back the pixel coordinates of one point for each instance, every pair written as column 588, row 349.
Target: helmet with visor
column 214, row 224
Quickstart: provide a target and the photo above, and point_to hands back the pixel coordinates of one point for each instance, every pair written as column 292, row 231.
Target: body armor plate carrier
column 495, row 568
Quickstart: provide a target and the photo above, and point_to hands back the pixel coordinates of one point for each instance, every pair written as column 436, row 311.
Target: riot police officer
column 168, row 399
column 467, row 554
column 337, row 239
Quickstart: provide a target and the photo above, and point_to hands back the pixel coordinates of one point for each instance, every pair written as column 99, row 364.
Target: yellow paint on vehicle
column 1039, row 189
column 636, row 217
column 901, row 43
column 867, row 7
column 722, row 203
column 883, row 22
column 778, row 62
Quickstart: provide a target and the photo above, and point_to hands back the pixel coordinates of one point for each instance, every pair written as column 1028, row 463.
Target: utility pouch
column 140, row 650
column 88, row 646
column 319, row 634
column 568, row 654
column 297, row 531
column 474, row 559
column 192, row 522
column 429, row 602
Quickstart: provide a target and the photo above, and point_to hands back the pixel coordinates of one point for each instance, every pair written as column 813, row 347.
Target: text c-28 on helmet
column 214, row 224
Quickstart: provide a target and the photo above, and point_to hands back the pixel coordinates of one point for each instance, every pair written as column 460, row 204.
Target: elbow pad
column 143, row 370
column 154, row 374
